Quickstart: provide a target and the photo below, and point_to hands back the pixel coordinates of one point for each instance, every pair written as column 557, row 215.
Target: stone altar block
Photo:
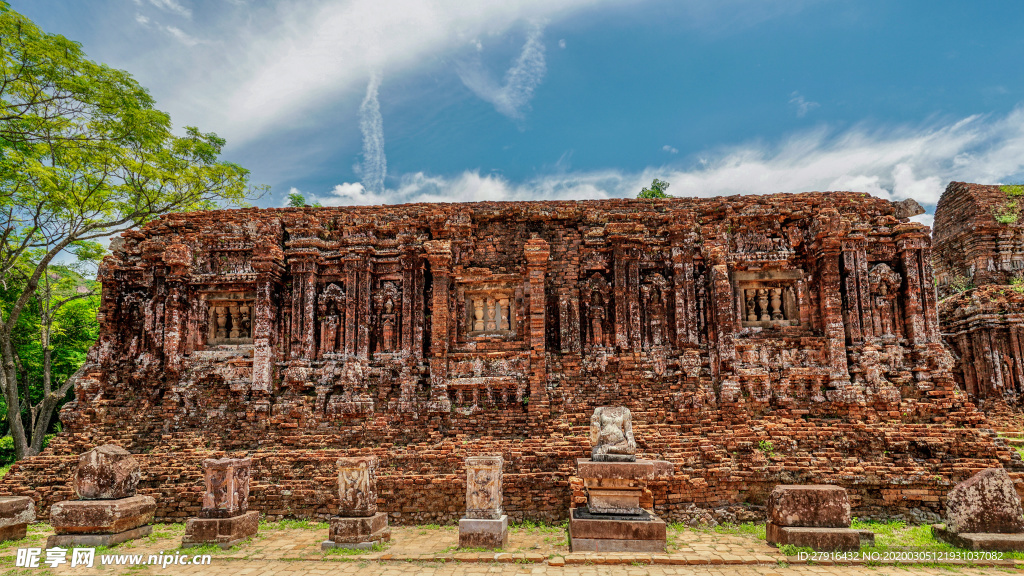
column 614, row 520
column 984, row 513
column 484, row 525
column 358, row 524
column 224, row 519
column 16, row 512
column 815, row 516
column 109, row 512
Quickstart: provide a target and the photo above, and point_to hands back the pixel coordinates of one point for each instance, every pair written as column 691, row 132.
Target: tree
column 297, row 200
column 657, row 190
column 83, row 155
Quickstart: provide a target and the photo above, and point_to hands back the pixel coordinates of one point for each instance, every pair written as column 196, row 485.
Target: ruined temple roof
column 965, row 208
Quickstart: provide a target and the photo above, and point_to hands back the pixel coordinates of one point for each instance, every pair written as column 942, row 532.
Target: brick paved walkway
column 433, row 551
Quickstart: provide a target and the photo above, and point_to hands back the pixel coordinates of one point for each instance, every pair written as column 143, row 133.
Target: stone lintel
column 639, row 470
column 652, row 529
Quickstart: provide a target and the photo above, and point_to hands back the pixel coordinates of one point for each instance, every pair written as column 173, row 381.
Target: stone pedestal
column 813, row 516
column 16, row 512
column 358, row 524
column 109, row 512
column 484, row 526
column 984, row 513
column 613, row 520
column 101, row 522
column 224, row 518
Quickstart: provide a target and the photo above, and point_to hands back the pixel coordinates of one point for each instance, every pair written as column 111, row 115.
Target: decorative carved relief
column 768, row 299
column 227, row 487
column 885, row 284
column 357, row 486
column 598, row 305
column 230, row 319
column 387, row 308
column 483, row 487
column 331, row 304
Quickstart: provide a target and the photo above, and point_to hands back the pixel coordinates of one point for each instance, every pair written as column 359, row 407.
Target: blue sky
column 370, row 101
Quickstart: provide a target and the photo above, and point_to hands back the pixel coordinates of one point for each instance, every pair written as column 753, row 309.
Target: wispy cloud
column 670, row 149
column 803, row 106
column 512, row 97
column 172, row 6
column 181, row 36
column 371, row 124
column 894, row 163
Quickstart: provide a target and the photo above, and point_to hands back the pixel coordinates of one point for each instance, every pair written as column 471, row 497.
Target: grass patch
column 790, row 550
column 744, row 529
column 535, row 527
column 356, row 551
column 289, row 524
column 5, row 468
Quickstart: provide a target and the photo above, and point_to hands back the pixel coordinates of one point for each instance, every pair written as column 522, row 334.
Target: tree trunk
column 9, row 382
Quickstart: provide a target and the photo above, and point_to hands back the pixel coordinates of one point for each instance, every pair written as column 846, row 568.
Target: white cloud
column 172, row 6
column 371, row 124
column 181, row 36
column 803, row 106
column 670, row 149
column 142, row 19
column 561, row 43
column 282, row 61
column 897, row 163
column 513, row 96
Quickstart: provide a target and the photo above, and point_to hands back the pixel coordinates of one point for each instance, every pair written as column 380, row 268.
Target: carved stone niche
column 490, row 311
column 230, row 318
column 768, row 298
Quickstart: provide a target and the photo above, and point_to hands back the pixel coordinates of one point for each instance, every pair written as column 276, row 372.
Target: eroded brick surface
column 756, row 341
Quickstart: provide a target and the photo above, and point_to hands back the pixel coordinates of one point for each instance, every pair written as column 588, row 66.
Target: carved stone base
column 224, row 532
column 102, row 516
column 989, row 542
column 820, row 539
column 479, row 533
column 640, row 533
column 357, row 532
column 65, row 540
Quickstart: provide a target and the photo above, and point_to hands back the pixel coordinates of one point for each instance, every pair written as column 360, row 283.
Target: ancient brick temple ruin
column 979, row 269
column 756, row 340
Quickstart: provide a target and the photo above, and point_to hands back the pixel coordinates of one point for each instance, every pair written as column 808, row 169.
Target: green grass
column 745, row 529
column 535, row 527
column 356, row 551
column 5, row 468
column 289, row 524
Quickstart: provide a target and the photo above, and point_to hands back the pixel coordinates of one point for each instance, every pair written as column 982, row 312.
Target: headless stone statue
column 611, row 435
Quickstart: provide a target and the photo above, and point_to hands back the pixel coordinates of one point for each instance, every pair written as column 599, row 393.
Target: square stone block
column 13, row 532
column 985, row 503
column 349, row 530
column 602, row 501
column 225, row 532
column 646, row 534
column 66, row 540
column 102, row 516
column 980, row 541
column 481, row 533
column 107, row 472
column 16, row 510
column 809, row 506
column 820, row 539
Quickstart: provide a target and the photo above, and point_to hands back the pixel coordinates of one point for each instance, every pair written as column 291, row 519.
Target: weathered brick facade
column 757, row 340
column 983, row 326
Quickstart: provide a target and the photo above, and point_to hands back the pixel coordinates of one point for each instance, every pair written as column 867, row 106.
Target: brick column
column 439, row 255
column 537, row 252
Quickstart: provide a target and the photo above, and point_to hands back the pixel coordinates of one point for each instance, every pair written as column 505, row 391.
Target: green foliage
column 791, row 550
column 960, row 284
column 1013, row 190
column 84, row 154
column 657, row 190
column 754, row 529
column 297, row 200
column 766, row 447
column 1008, row 212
